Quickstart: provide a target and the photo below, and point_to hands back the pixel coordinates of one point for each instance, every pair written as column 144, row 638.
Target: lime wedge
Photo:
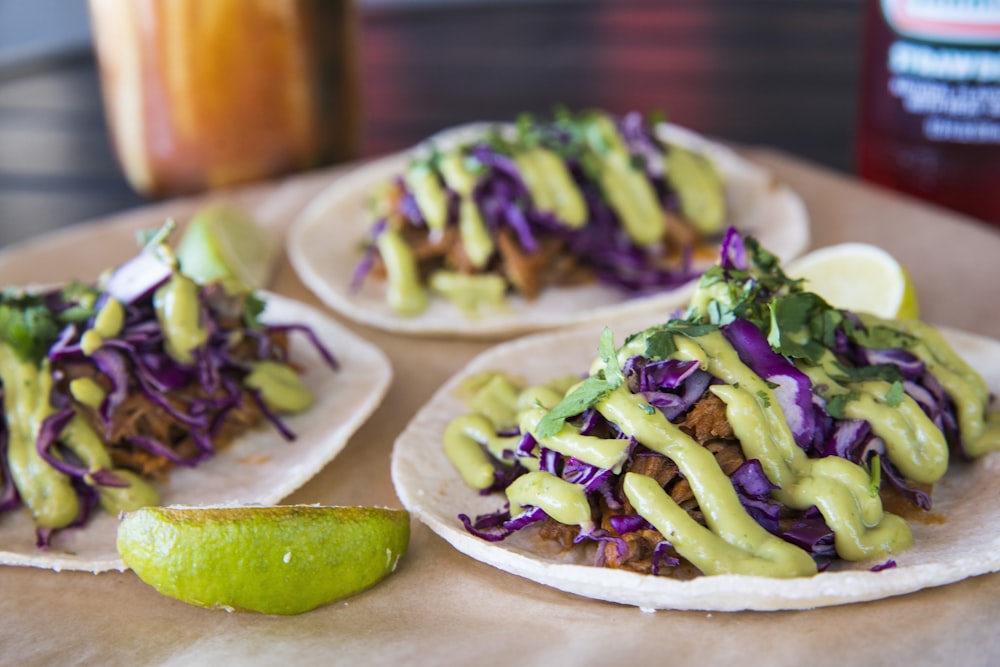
column 273, row 560
column 222, row 242
column 859, row 277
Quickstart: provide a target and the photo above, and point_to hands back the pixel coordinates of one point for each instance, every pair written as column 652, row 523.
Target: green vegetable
column 585, row 395
column 895, row 395
column 30, row 328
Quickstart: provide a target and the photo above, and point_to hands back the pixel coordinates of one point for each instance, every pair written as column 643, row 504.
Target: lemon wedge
column 222, row 242
column 273, row 560
column 859, row 277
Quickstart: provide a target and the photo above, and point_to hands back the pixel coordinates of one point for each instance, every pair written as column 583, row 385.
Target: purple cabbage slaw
column 135, row 361
column 602, row 244
column 673, row 386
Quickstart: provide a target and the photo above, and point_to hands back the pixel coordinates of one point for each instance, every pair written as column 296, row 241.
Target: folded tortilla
column 966, row 543
column 260, row 467
column 324, row 248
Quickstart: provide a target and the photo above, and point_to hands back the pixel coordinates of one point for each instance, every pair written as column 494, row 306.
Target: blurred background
column 782, row 73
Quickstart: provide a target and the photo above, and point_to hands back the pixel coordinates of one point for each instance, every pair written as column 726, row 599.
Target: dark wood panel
column 776, row 72
column 781, row 73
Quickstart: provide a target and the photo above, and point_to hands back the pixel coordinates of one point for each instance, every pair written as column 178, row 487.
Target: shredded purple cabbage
column 674, row 386
column 791, row 386
column 602, row 245
column 135, row 362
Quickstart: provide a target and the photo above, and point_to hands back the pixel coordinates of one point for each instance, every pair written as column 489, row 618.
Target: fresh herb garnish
column 763, row 399
column 589, row 392
column 27, row 326
column 253, row 308
column 885, row 372
column 585, row 395
column 836, row 405
column 609, row 355
column 660, row 344
column 878, row 337
column 894, row 397
column 791, row 326
column 30, row 326
column 151, row 238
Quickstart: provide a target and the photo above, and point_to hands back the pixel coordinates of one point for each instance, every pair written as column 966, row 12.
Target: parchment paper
column 442, row 608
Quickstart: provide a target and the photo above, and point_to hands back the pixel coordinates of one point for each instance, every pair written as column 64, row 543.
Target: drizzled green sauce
column 178, row 311
column 733, row 542
column 46, row 492
column 281, row 388
column 550, row 160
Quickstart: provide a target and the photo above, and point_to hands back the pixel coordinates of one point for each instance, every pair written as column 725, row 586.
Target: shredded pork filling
column 527, row 272
column 636, row 550
column 140, row 417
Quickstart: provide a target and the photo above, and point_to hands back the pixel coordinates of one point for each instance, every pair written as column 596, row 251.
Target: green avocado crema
column 471, row 292
column 699, row 187
column 475, row 236
column 405, row 294
column 280, row 387
column 178, row 311
column 980, row 429
column 559, row 164
column 627, row 189
column 551, row 186
column 46, row 492
column 731, row 541
column 432, row 200
column 107, row 323
column 914, row 443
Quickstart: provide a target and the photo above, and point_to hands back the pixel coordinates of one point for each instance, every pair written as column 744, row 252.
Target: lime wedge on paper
column 222, row 242
column 859, row 277
column 274, row 560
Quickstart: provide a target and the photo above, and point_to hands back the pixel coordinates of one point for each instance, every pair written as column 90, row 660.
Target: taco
column 147, row 388
column 500, row 228
column 760, row 450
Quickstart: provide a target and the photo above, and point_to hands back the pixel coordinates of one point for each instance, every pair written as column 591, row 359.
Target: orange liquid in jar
column 929, row 123
column 200, row 95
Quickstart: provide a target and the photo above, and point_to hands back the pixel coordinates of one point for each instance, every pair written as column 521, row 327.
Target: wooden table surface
column 780, row 73
column 774, row 73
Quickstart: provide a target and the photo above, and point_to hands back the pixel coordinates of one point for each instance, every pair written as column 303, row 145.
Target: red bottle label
column 944, row 68
column 929, row 123
column 951, row 21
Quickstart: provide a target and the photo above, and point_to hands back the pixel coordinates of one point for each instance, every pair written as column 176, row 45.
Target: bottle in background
column 929, row 123
column 204, row 94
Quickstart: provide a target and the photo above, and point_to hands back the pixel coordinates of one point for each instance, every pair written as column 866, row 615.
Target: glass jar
column 203, row 94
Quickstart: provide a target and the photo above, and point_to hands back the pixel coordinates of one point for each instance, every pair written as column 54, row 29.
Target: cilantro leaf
column 585, row 395
column 691, row 329
column 763, row 399
column 886, row 372
column 150, row 238
column 660, row 345
column 835, row 406
column 879, row 337
column 609, row 355
column 790, row 333
column 253, row 308
column 894, row 397
column 76, row 314
column 28, row 327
